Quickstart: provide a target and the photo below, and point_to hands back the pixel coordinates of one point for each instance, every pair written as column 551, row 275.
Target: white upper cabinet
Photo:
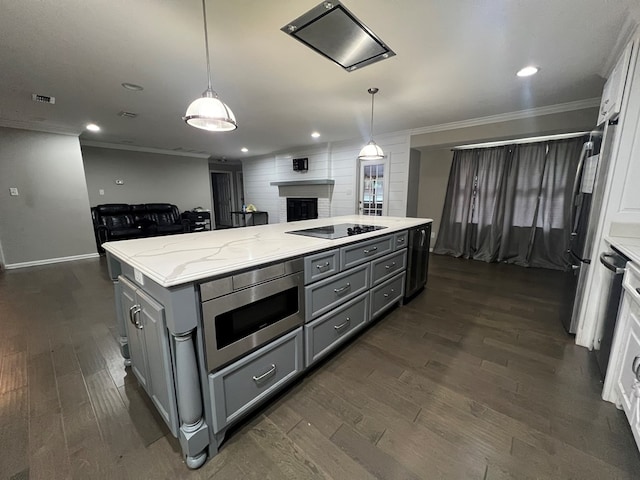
column 614, row 88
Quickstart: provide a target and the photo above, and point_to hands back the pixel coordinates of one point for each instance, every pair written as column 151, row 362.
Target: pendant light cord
column 371, row 128
column 206, row 47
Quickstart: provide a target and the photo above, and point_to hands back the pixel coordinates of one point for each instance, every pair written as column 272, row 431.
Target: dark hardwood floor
column 474, row 379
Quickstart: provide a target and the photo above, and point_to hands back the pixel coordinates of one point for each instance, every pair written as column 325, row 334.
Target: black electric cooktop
column 332, row 232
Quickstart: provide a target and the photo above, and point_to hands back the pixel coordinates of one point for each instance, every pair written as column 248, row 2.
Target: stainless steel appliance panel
column 588, row 192
column 418, row 259
column 614, row 263
column 267, row 298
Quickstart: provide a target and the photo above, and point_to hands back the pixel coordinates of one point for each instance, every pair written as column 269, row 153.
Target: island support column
column 193, row 430
column 182, row 314
column 123, row 341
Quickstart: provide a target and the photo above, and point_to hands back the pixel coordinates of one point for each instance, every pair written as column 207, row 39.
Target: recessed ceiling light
column 528, row 71
column 244, row 149
column 92, row 127
column 315, row 134
column 132, row 86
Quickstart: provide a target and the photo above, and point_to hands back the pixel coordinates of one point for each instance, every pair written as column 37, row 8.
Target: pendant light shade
column 209, row 112
column 371, row 151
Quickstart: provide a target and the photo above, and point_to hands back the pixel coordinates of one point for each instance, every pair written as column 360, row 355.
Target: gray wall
column 434, row 175
column 50, row 219
column 148, row 178
column 413, row 184
column 577, row 120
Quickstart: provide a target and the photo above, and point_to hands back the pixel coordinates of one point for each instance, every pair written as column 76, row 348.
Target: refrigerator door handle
column 609, row 266
column 577, row 258
column 576, row 184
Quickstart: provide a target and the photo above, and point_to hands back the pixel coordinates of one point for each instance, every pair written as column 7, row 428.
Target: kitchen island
column 213, row 323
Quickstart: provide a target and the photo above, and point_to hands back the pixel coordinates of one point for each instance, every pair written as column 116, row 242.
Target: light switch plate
column 13, row 191
column 101, row 191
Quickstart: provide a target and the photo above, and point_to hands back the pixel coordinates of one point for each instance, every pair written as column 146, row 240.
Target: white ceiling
column 456, row 60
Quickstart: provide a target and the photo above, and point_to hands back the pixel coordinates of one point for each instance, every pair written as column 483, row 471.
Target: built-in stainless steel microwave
column 245, row 311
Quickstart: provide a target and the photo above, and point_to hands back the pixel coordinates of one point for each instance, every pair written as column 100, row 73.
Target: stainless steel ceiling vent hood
column 334, row 32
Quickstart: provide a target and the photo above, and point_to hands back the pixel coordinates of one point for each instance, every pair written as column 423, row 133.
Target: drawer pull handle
column 133, row 311
column 635, row 364
column 342, row 325
column 386, row 295
column 390, row 266
column 400, row 239
column 342, row 289
column 265, row 376
column 370, row 250
column 320, row 267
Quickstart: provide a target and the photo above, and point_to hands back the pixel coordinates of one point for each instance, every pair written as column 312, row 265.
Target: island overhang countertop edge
column 179, row 259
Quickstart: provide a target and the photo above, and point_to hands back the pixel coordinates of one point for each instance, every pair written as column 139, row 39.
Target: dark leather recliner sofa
column 120, row 221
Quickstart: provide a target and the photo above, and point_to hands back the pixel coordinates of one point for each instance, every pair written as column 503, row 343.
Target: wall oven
column 245, row 311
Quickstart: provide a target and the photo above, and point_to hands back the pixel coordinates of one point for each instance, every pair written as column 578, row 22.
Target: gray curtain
column 510, row 203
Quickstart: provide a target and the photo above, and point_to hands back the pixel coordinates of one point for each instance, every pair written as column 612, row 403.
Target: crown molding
column 134, row 148
column 38, row 127
column 507, row 117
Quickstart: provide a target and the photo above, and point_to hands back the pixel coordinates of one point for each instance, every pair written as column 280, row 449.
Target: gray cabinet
column 149, row 349
column 386, row 267
column 329, row 293
column 321, row 265
column 330, row 330
column 242, row 385
column 386, row 294
column 363, row 252
column 400, row 240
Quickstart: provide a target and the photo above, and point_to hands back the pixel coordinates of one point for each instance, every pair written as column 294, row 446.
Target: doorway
column 222, row 193
column 374, row 187
column 239, row 195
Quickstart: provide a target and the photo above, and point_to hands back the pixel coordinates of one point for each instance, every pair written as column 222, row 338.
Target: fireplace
column 302, row 209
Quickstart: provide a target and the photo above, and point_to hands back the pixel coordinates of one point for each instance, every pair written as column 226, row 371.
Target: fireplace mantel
column 302, row 183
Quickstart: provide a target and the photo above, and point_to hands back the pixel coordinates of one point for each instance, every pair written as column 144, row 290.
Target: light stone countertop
column 627, row 245
column 177, row 259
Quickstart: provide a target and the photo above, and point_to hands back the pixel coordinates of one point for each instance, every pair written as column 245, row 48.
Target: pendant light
column 209, row 112
column 371, row 151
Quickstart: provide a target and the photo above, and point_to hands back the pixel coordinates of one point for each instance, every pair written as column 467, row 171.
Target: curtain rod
column 544, row 138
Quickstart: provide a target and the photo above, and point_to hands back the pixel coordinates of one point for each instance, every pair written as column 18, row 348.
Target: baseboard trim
column 48, row 261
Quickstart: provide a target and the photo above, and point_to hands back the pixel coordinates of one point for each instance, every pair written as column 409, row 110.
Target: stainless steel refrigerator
column 588, row 193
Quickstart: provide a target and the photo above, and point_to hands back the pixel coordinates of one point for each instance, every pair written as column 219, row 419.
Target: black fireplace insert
column 302, row 209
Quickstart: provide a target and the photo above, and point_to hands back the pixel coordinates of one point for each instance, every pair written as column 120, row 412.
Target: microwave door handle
column 576, row 185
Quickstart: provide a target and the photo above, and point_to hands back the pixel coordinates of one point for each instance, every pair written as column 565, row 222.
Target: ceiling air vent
column 43, row 98
column 127, row 114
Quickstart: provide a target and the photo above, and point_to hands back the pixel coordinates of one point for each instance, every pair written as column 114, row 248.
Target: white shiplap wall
column 345, row 172
column 337, row 162
column 258, row 173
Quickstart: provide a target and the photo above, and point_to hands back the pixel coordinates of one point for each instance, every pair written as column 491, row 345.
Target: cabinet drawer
column 327, row 294
column 362, row 252
column 631, row 282
column 386, row 294
column 321, row 265
column 387, row 267
column 327, row 332
column 400, row 240
column 244, row 384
